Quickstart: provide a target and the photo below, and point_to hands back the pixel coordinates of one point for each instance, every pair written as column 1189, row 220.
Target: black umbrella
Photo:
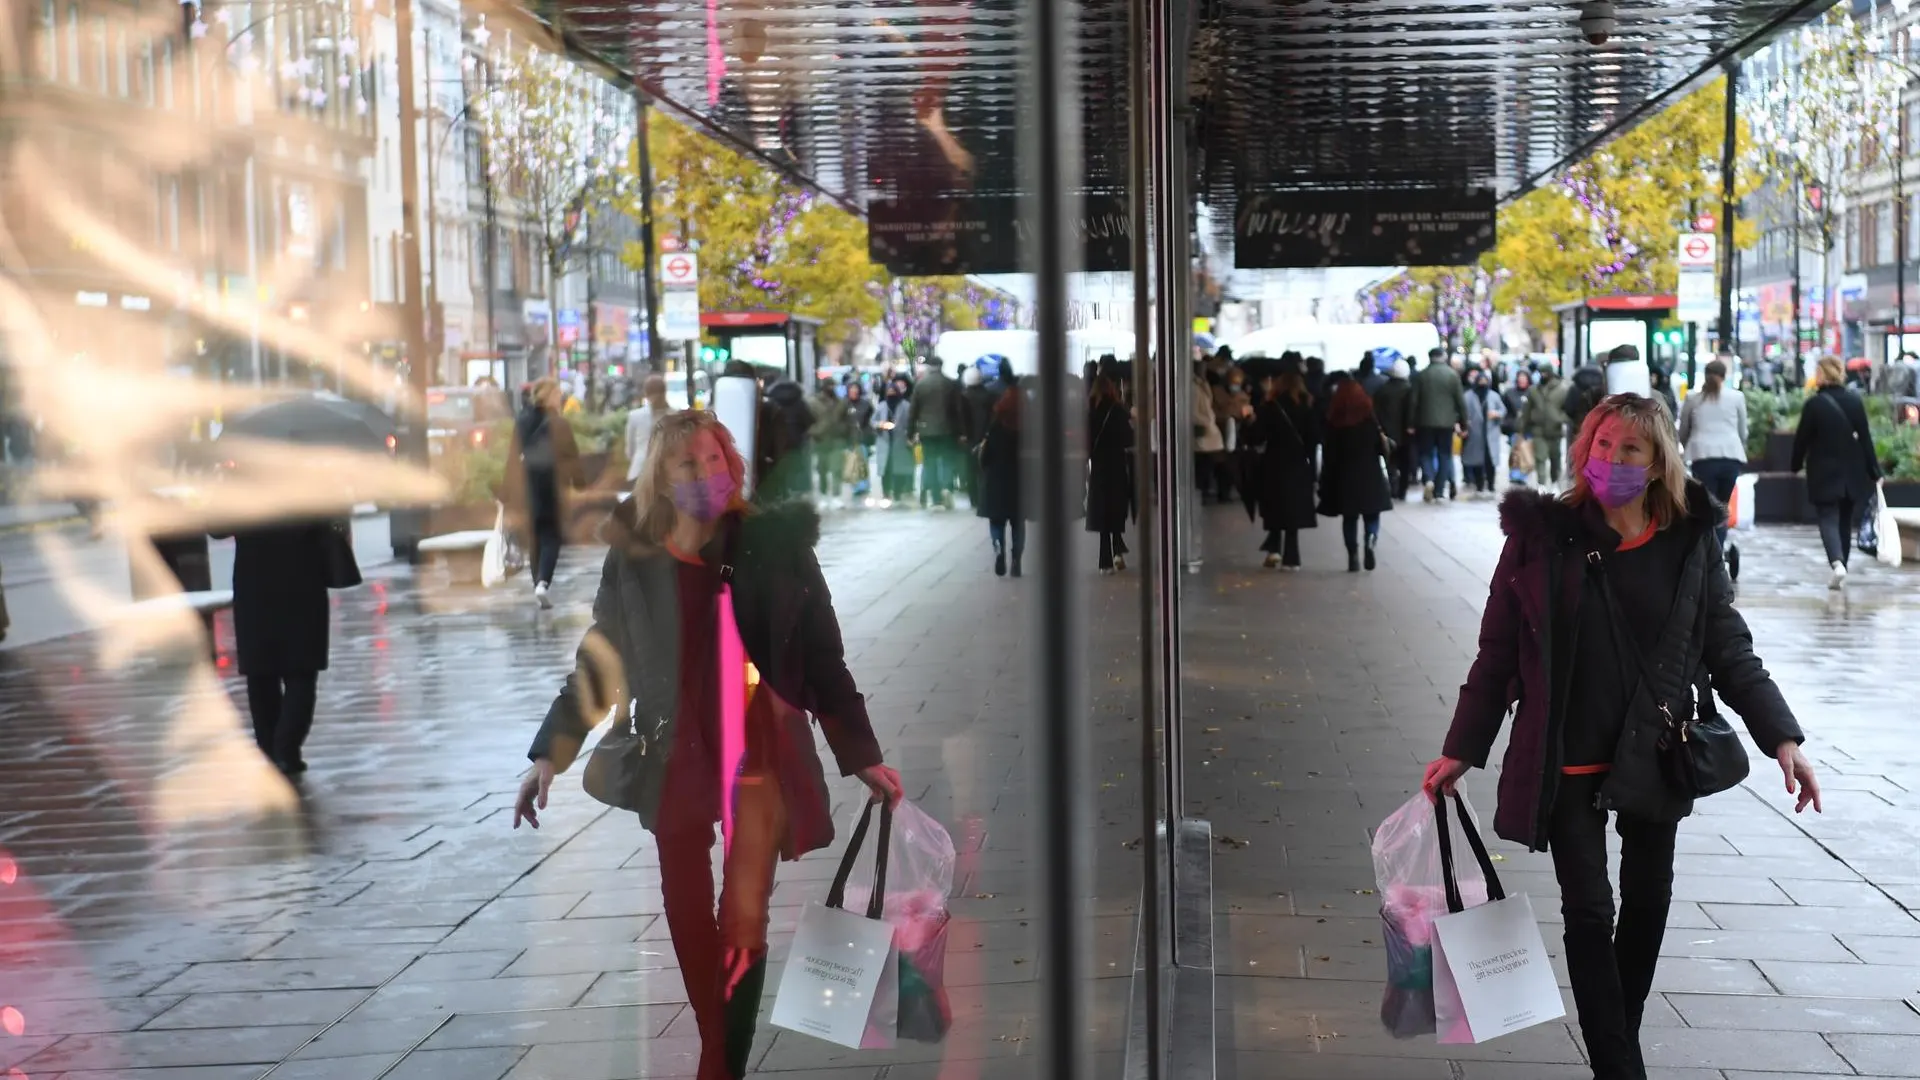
column 316, row 420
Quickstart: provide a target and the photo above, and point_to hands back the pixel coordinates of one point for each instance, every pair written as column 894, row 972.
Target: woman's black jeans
column 1610, row 966
column 1350, row 529
column 1838, row 523
column 1284, row 543
column 546, row 549
column 1720, row 476
column 1111, row 544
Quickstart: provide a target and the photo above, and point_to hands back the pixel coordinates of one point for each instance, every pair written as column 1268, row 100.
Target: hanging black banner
column 983, row 234
column 1362, row 228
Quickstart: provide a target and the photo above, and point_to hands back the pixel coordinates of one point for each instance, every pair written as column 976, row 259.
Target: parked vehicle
column 463, row 417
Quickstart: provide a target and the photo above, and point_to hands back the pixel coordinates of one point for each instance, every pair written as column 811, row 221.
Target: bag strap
column 1617, row 623
column 1455, row 902
column 837, row 894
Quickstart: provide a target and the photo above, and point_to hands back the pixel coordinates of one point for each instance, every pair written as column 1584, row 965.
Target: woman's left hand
column 1799, row 774
column 884, row 782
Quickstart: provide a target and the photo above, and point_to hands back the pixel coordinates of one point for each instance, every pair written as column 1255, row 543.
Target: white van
column 1340, row 344
column 1022, row 347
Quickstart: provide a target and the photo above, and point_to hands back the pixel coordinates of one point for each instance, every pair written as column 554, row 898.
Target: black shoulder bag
column 1700, row 754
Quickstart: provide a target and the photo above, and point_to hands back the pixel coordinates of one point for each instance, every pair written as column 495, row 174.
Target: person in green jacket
column 1544, row 420
column 1439, row 410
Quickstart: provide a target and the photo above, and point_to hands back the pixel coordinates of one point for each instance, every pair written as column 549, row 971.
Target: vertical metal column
column 641, row 104
column 1170, row 431
column 1728, row 163
column 1155, row 926
column 1050, row 152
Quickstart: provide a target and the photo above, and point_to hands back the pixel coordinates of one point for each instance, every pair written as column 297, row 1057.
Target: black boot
column 743, row 1016
column 1016, row 564
column 1353, row 560
column 1636, row 951
column 1000, row 561
column 1371, row 561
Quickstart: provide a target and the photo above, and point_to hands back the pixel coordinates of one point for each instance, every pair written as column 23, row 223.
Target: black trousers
column 546, row 550
column 1111, row 545
column 1284, row 543
column 282, row 709
column 1838, row 522
column 1610, row 965
column 1720, row 476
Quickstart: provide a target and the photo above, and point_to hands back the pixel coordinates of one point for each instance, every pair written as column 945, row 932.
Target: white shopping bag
column 500, row 557
column 842, row 981
column 1888, row 528
column 1740, row 508
column 835, row 974
column 1491, row 975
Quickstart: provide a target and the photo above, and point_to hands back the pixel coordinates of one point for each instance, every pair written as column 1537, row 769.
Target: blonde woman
column 653, row 653
column 1835, row 446
column 543, row 468
column 1624, row 566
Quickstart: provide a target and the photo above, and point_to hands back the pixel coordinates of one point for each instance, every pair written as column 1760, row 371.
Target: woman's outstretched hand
column 533, row 793
column 1442, row 774
column 1799, row 774
column 884, row 782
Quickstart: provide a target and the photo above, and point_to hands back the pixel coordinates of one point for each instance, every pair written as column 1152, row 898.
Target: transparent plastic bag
column 919, row 878
column 1409, row 873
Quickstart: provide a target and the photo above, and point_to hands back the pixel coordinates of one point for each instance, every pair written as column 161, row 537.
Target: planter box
column 1902, row 494
column 1781, row 499
column 1779, row 456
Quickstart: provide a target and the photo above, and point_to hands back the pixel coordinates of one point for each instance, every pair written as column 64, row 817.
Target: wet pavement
column 1794, row 951
column 169, row 909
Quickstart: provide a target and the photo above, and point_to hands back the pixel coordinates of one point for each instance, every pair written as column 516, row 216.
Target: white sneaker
column 540, row 595
column 1839, row 578
column 1271, row 562
column 1426, row 492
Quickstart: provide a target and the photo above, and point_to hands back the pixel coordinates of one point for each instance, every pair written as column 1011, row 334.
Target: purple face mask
column 1614, row 484
column 703, row 500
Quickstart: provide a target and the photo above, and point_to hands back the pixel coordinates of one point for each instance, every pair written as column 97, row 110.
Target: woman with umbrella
column 542, row 465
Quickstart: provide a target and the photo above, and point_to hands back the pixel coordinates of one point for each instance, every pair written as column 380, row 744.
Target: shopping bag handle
column 1455, row 903
column 837, row 895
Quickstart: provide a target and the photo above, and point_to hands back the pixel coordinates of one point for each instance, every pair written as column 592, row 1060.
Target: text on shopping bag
column 834, row 975
column 1496, row 962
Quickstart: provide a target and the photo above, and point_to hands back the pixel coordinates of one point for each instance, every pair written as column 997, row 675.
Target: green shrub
column 598, row 433
column 1899, row 451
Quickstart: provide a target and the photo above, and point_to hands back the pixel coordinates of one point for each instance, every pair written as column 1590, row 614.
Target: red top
column 691, row 798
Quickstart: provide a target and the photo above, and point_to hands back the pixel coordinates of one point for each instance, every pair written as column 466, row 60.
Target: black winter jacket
column 1835, row 446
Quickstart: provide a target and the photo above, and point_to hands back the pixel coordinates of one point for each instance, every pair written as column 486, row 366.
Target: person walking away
column 640, row 420
column 548, row 468
column 1624, row 565
column 936, row 425
column 653, row 655
column 1439, row 410
column 1370, row 372
column 281, row 622
column 1713, row 429
column 1835, row 447
column 1545, row 423
column 784, row 444
column 1353, row 472
column 860, row 416
column 1585, row 390
column 894, row 448
column 1000, row 501
column 1485, row 413
column 1208, row 444
column 1662, row 382
column 1393, row 408
column 1285, row 424
column 832, row 438
column 1110, row 502
column 977, row 394
column 1519, row 450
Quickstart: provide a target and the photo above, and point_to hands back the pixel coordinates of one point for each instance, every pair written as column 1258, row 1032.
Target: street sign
column 680, row 315
column 680, row 270
column 1698, row 249
column 1704, row 223
column 1697, row 299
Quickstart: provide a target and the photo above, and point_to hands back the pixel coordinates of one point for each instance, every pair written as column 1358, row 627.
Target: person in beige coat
column 1208, row 443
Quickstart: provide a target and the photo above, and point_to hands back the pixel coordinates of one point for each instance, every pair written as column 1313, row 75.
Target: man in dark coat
column 1587, row 388
column 1393, row 408
column 784, row 444
column 937, row 423
column 1439, row 411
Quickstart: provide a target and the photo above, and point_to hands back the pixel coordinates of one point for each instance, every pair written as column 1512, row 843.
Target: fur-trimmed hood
column 792, row 525
column 1542, row 517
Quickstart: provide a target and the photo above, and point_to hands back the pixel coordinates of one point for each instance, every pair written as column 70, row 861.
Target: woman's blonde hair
column 542, row 389
column 1666, row 477
column 1829, row 372
column 654, row 512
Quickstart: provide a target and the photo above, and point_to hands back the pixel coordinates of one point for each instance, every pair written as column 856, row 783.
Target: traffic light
column 713, row 354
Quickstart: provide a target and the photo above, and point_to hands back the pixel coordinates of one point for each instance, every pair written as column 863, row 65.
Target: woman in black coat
column 1353, row 471
column 280, row 630
column 1109, row 473
column 1000, row 462
column 1835, row 446
column 1590, row 585
column 543, row 466
column 1285, row 425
